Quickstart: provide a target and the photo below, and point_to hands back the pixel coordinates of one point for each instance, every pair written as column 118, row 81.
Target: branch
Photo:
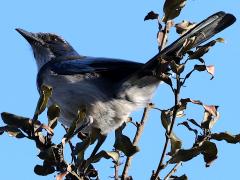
column 174, row 169
column 165, row 35
column 71, row 147
column 140, row 128
column 168, row 133
column 116, row 168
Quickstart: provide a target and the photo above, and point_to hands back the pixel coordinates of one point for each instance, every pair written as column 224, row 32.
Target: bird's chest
column 72, row 95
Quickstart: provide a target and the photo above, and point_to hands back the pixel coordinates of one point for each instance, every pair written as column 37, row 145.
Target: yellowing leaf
column 107, row 155
column 221, row 40
column 80, row 117
column 211, row 116
column 45, row 93
column 211, row 70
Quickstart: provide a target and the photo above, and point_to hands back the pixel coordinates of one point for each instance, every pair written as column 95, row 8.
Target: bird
column 110, row 89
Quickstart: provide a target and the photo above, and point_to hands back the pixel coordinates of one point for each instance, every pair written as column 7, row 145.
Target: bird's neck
column 69, row 56
column 43, row 58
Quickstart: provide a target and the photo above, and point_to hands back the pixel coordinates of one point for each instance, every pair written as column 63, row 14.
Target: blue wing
column 112, row 69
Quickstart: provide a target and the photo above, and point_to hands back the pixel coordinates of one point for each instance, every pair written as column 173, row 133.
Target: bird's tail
column 202, row 32
column 139, row 87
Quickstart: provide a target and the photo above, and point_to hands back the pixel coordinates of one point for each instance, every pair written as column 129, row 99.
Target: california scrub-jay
column 110, row 89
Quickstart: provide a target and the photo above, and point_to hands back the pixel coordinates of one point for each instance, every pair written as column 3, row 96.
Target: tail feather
column 139, row 87
column 202, row 31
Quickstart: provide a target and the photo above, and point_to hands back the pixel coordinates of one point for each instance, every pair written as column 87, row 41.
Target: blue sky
column 116, row 29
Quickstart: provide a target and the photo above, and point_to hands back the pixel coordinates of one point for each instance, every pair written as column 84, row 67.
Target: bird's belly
column 107, row 113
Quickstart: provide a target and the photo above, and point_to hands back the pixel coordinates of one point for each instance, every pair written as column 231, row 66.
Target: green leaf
column 177, row 68
column 23, row 123
column 172, row 9
column 184, row 155
column 107, row 155
column 206, row 148
column 209, row 151
column 80, row 117
column 165, row 78
column 151, row 16
column 200, row 68
column 2, row 130
column 12, row 120
column 183, row 177
column 187, row 100
column 210, row 69
column 166, row 119
column 53, row 114
column 44, row 170
column 12, row 131
column 202, row 50
column 124, row 144
column 228, row 137
column 45, row 93
column 81, row 147
column 176, row 142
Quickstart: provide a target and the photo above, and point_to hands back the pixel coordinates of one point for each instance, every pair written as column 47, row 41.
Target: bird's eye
column 55, row 39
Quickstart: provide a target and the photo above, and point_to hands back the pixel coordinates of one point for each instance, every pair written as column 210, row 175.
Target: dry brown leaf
column 184, row 26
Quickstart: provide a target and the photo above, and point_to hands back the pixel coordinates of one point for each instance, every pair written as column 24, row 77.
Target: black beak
column 30, row 37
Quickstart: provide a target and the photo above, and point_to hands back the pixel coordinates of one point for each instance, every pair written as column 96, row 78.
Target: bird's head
column 47, row 46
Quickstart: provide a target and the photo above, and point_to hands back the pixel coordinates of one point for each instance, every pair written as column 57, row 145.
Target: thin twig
column 71, row 147
column 168, row 133
column 187, row 76
column 160, row 166
column 174, row 169
column 165, row 35
column 136, row 139
column 116, row 168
